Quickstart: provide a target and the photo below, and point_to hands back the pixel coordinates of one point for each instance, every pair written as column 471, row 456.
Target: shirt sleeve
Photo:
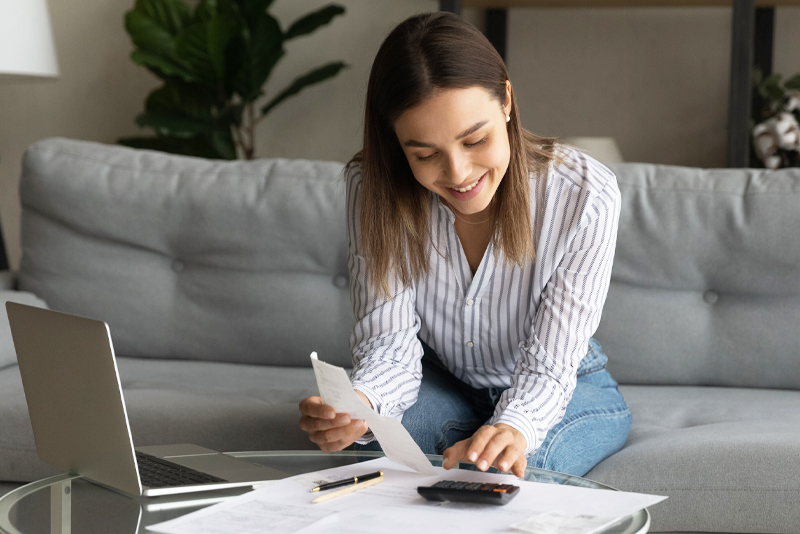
column 387, row 354
column 567, row 316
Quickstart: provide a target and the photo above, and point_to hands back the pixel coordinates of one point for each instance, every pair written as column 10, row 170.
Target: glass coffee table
column 65, row 504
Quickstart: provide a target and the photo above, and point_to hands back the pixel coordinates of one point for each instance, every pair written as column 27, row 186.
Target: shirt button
column 470, row 344
column 572, row 363
column 470, row 302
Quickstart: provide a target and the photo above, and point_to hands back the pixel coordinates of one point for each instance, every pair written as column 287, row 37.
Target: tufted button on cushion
column 711, row 297
column 341, row 281
column 178, row 266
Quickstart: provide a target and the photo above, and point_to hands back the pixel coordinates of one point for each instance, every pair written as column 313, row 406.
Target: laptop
column 80, row 424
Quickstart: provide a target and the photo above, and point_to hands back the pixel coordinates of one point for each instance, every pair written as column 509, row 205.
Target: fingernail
column 346, row 420
column 473, row 456
column 482, row 465
column 504, row 466
column 330, row 415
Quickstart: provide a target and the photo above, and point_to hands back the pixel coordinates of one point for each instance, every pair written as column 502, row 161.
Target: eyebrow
column 471, row 129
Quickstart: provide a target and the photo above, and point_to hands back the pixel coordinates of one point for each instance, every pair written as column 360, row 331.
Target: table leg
column 61, row 507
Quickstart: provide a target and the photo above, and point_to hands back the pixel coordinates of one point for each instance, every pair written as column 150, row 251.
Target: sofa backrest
column 189, row 258
column 246, row 262
column 705, row 287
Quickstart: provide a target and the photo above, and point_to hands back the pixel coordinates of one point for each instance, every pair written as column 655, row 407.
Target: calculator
column 474, row 492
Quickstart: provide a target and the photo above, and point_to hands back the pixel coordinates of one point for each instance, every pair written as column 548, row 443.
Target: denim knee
column 583, row 443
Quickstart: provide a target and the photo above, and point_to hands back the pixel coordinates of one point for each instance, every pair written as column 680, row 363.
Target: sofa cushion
column 725, row 457
column 226, row 407
column 189, row 258
column 705, row 288
column 8, row 356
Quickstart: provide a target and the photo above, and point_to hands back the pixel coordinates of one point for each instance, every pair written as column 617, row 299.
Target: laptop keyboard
column 157, row 473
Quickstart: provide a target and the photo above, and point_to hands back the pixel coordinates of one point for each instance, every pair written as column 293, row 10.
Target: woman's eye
column 468, row 145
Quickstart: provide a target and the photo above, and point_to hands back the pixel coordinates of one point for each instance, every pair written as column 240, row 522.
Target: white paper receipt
column 398, row 445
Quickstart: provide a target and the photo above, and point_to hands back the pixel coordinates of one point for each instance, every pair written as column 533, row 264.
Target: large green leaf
column 261, row 52
column 171, row 15
column 161, row 66
column 148, row 35
column 312, row 21
column 793, row 83
column 221, row 31
column 223, row 144
column 197, row 146
column 192, row 100
column 315, row 76
column 770, row 88
column 192, row 48
column 171, row 124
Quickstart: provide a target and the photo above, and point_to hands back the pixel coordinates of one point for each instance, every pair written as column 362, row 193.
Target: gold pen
column 350, row 489
column 348, row 481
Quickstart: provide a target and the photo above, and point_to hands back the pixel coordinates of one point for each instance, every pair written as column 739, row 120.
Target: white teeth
column 467, row 188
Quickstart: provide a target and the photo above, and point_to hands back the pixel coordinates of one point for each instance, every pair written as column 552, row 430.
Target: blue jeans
column 595, row 425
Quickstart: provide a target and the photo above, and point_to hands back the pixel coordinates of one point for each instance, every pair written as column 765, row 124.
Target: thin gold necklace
column 455, row 212
column 466, row 221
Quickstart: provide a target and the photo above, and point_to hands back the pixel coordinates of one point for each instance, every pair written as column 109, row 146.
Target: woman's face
column 456, row 143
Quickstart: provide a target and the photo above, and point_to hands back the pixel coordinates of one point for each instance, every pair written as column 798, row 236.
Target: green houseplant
column 214, row 61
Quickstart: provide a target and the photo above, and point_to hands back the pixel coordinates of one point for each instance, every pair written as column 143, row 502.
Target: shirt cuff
column 368, row 436
column 519, row 421
column 372, row 397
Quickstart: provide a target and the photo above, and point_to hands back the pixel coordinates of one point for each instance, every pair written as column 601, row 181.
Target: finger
column 508, row 457
column 499, row 442
column 457, row 453
column 351, row 431
column 479, row 441
column 519, row 467
column 314, row 424
column 338, row 439
column 313, row 407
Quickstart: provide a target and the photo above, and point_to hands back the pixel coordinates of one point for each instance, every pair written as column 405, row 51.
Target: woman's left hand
column 500, row 446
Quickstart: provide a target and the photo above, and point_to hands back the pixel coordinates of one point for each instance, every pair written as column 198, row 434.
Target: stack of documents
column 395, row 506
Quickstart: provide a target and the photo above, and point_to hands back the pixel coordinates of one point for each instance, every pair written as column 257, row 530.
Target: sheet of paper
column 395, row 507
column 398, row 445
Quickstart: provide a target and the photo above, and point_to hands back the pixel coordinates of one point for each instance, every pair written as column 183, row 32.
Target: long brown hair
column 425, row 53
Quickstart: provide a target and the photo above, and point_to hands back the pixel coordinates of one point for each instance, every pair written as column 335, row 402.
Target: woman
column 480, row 257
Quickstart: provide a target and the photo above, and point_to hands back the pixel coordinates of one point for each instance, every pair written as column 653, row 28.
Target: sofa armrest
column 8, row 280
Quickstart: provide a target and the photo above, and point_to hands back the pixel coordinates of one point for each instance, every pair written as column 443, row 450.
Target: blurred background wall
column 655, row 79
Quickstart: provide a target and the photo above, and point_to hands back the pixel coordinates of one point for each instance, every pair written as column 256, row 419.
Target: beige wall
column 655, row 79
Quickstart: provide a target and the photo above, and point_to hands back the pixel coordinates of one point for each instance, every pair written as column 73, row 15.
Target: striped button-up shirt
column 525, row 329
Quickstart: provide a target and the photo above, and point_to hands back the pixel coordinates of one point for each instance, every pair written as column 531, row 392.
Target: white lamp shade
column 26, row 40
column 603, row 149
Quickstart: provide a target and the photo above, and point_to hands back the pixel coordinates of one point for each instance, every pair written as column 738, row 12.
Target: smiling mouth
column 469, row 187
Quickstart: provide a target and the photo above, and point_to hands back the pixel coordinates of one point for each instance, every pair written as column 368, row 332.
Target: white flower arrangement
column 776, row 119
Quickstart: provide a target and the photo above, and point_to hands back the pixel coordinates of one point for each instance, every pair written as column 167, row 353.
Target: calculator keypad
column 474, row 492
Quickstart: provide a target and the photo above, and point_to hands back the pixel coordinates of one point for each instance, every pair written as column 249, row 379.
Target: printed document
column 394, row 506
column 398, row 445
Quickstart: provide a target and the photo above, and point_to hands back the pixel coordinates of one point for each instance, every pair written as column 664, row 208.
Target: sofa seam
column 179, row 173
column 705, row 191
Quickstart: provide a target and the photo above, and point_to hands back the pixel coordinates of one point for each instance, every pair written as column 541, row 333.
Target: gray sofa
column 218, row 279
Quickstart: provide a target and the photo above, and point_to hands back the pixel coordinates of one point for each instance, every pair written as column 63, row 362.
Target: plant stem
column 251, row 130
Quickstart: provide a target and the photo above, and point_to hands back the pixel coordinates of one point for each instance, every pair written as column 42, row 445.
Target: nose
column 458, row 167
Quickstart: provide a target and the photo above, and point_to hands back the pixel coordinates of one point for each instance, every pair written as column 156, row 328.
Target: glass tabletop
column 69, row 503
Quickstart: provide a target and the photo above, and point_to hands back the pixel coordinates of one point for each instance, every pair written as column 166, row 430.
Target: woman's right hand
column 331, row 431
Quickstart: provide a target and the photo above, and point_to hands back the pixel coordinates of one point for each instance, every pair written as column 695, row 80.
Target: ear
column 507, row 104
